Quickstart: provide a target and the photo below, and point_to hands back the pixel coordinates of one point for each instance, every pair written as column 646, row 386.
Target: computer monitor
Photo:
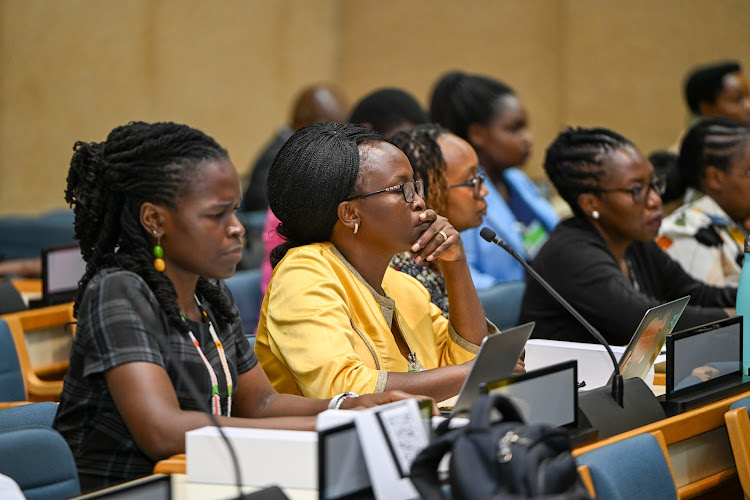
column 62, row 269
column 548, row 395
column 342, row 470
column 703, row 357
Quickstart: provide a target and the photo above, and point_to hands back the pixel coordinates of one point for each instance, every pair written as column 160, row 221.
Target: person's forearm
column 438, row 383
column 278, row 405
column 466, row 311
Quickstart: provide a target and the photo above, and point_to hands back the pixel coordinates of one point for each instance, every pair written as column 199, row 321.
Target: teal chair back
column 40, row 461
column 502, row 303
column 631, row 468
column 32, row 414
column 11, row 378
column 245, row 288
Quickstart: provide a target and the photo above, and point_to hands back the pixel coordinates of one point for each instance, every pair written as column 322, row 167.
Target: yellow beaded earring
column 158, row 255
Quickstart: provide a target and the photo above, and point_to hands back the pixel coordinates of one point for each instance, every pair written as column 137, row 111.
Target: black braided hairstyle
column 714, row 141
column 107, row 184
column 420, row 145
column 316, row 169
column 460, row 99
column 574, row 161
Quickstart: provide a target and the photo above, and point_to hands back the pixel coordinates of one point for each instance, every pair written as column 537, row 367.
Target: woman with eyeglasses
column 454, row 187
column 336, row 318
column 604, row 260
column 490, row 116
column 707, row 235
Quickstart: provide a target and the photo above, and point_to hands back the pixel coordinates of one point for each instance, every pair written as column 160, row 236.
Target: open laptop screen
column 548, row 395
column 649, row 338
column 700, row 357
column 62, row 269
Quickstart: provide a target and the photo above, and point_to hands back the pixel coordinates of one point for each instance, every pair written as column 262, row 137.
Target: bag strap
column 424, row 469
column 480, row 412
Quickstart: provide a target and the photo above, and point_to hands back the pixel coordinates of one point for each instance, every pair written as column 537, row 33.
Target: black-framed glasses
column 475, row 184
column 640, row 192
column 409, row 189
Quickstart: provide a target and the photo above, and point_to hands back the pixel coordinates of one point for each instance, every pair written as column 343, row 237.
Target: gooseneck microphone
column 617, row 382
column 611, row 412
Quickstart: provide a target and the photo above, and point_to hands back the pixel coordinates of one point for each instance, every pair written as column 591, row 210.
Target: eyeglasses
column 409, row 189
column 640, row 192
column 475, row 184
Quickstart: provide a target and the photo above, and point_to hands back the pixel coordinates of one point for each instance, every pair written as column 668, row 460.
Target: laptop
column 496, row 359
column 704, row 364
column 62, row 269
column 649, row 338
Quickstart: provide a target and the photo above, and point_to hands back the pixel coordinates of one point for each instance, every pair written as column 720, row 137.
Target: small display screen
column 544, row 396
column 343, row 471
column 705, row 354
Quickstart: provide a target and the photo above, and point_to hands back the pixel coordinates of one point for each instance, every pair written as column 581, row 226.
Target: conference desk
column 697, row 443
column 180, row 489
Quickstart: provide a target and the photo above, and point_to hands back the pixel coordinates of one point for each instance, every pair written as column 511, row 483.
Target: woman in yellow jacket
column 335, row 317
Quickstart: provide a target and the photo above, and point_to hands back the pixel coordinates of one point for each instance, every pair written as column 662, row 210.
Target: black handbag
column 499, row 459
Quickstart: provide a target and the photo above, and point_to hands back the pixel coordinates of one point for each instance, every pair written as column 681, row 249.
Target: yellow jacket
column 323, row 330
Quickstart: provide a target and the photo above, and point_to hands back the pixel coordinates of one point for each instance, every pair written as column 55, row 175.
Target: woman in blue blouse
column 489, row 115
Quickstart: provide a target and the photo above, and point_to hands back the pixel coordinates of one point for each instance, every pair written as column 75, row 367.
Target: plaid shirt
column 120, row 321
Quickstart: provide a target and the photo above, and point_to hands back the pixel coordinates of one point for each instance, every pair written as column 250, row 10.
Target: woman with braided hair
column 453, row 186
column 707, row 234
column 336, row 317
column 604, row 260
column 159, row 342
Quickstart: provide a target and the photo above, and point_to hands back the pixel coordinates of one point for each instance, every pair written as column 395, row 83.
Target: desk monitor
column 342, row 470
column 704, row 357
column 548, row 395
column 649, row 338
column 62, row 269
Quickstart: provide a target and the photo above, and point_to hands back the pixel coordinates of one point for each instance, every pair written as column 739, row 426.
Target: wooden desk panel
column 698, row 447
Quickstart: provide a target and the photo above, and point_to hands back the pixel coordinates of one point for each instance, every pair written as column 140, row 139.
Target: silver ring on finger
column 442, row 233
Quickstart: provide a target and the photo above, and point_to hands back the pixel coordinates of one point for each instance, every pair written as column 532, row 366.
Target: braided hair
column 714, row 141
column 106, row 186
column 574, row 161
column 315, row 170
column 420, row 145
column 460, row 99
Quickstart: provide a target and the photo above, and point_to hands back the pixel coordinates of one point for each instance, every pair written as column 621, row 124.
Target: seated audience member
column 314, row 104
column 718, row 89
column 604, row 260
column 489, row 115
column 666, row 165
column 387, row 111
column 159, row 344
column 336, row 317
column 453, row 187
column 706, row 236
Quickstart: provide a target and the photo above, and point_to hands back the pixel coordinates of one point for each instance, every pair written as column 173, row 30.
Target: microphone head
column 488, row 234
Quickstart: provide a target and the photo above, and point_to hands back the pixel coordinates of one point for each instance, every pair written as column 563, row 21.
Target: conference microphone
column 638, row 407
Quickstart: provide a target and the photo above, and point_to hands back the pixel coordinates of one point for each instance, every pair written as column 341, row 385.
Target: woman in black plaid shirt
column 155, row 216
